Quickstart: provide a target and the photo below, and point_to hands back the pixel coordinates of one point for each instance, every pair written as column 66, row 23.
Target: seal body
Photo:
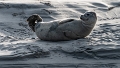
column 49, row 31
column 66, row 29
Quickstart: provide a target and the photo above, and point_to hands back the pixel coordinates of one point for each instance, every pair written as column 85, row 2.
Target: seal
column 65, row 29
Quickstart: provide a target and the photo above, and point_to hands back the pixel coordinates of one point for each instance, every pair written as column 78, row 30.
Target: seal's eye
column 88, row 14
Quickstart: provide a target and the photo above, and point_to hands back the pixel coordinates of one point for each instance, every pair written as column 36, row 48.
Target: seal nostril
column 81, row 17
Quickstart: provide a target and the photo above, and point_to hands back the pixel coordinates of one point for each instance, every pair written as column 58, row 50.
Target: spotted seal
column 65, row 29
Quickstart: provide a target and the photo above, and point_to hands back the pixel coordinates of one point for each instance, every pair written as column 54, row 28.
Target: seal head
column 89, row 18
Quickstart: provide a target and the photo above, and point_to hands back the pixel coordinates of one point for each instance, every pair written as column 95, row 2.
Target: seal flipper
column 66, row 21
column 56, row 24
column 71, row 35
column 68, row 34
column 32, row 25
